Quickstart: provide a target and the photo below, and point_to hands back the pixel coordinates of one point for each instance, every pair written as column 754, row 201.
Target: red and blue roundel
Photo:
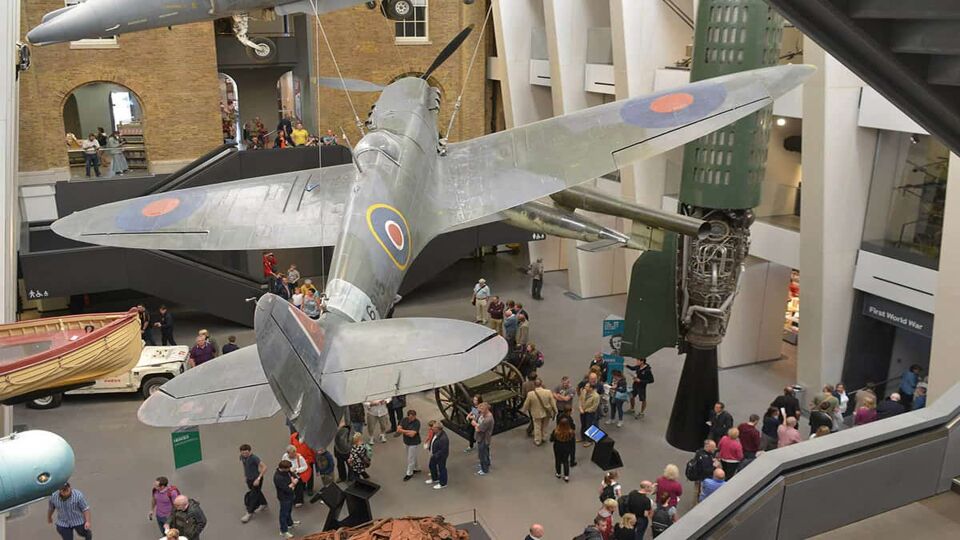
column 675, row 108
column 152, row 213
column 390, row 229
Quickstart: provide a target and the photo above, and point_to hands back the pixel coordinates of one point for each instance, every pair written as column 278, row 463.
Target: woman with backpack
column 564, row 439
column 161, row 500
column 610, row 487
column 664, row 516
column 618, row 396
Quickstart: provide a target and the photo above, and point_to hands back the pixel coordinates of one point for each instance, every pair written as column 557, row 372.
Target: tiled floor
column 117, row 457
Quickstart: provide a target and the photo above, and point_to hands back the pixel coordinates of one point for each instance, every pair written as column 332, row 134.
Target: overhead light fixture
column 781, row 122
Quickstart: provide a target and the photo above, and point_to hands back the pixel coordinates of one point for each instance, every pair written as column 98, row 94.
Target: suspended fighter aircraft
column 403, row 189
column 88, row 19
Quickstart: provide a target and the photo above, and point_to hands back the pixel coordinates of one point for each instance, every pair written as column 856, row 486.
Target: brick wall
column 363, row 41
column 172, row 72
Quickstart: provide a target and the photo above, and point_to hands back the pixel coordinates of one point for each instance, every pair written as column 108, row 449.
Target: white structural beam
column 838, row 158
column 10, row 22
column 569, row 26
column 944, row 368
column 647, row 36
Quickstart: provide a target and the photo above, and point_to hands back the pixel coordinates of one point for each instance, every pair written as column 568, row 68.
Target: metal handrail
column 875, row 384
column 856, row 450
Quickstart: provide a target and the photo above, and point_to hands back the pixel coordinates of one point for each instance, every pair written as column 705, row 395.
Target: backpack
column 661, row 520
column 609, row 492
column 622, row 505
column 692, row 470
column 649, row 378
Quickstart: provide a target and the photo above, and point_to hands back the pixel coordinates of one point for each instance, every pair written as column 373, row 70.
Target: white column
column 567, row 27
column 755, row 331
column 514, row 21
column 647, row 36
column 838, row 161
column 944, row 368
column 10, row 22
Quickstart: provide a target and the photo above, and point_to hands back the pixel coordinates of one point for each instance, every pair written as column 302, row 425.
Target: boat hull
column 78, row 357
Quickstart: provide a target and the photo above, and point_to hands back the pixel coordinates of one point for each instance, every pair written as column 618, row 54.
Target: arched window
column 105, row 109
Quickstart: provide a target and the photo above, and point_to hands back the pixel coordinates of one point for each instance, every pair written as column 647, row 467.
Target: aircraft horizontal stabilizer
column 380, row 359
column 231, row 388
column 316, row 368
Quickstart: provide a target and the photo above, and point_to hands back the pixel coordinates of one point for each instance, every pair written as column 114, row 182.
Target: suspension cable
column 463, row 86
column 356, row 117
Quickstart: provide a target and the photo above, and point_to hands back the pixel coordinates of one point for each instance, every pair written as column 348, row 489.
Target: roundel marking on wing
column 671, row 103
column 672, row 109
column 160, row 207
column 159, row 211
column 391, row 231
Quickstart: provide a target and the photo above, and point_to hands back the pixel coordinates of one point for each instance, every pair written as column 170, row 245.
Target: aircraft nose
column 75, row 24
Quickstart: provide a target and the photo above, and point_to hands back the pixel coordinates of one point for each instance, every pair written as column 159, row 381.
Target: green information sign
column 186, row 446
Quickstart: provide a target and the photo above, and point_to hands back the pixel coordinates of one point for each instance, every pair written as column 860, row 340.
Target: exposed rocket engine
column 711, row 268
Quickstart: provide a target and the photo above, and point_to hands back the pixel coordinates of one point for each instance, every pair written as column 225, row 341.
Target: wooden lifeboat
column 66, row 352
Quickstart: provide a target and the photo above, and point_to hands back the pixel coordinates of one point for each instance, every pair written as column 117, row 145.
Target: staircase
column 908, row 50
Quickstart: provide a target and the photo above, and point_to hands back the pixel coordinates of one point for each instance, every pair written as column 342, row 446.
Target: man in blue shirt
column 710, row 485
column 908, row 385
column 73, row 513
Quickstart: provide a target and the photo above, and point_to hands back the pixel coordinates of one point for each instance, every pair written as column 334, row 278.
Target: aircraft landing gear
column 397, row 10
column 261, row 49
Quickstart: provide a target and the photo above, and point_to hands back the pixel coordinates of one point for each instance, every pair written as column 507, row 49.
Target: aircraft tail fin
column 316, row 368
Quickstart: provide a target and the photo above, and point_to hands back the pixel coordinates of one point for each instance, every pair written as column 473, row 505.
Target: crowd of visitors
column 290, row 132
column 600, row 397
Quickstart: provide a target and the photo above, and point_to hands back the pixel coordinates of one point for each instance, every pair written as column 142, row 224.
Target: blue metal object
column 33, row 465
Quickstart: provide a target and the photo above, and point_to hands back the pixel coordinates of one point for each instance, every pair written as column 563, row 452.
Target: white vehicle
column 157, row 365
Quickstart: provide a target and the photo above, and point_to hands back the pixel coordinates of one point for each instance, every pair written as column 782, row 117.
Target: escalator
column 216, row 282
column 909, row 51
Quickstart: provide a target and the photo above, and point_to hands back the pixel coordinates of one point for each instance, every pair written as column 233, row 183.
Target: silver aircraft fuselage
column 389, row 206
column 106, row 18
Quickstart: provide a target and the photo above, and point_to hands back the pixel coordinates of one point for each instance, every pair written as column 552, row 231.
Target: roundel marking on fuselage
column 390, row 229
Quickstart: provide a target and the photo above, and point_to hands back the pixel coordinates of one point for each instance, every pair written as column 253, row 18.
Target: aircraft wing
column 230, row 388
column 489, row 174
column 288, row 210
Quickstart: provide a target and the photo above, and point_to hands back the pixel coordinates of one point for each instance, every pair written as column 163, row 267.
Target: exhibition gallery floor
column 118, row 458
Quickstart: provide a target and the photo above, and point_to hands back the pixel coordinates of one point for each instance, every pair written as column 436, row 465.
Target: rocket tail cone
column 697, row 392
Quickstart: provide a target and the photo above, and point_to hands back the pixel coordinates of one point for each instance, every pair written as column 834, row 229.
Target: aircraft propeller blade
column 448, row 51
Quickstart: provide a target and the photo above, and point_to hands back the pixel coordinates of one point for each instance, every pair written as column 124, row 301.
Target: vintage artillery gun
column 500, row 387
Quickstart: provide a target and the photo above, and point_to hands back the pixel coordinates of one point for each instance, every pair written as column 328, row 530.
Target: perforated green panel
column 725, row 168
